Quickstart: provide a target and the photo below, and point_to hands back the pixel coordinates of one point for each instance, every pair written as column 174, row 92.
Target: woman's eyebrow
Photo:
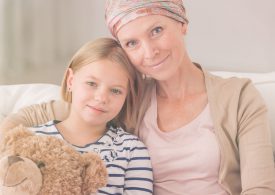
column 149, row 28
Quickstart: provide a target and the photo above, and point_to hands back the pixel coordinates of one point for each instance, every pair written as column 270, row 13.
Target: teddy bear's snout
column 15, row 164
column 19, row 171
column 14, row 159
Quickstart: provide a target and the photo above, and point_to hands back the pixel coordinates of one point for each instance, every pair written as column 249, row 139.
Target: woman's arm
column 254, row 141
column 139, row 175
column 36, row 114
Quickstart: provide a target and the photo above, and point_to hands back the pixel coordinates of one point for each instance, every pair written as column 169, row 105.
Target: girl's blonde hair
column 107, row 48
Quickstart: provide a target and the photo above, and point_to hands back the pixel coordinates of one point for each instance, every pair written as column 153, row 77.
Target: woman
column 205, row 134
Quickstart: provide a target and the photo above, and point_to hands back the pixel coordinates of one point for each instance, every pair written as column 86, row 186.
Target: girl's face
column 154, row 44
column 98, row 90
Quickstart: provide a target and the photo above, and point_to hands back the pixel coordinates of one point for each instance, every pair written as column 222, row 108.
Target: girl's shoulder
column 120, row 136
column 119, row 144
column 46, row 127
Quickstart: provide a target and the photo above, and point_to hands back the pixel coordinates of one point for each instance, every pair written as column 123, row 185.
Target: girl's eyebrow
column 92, row 77
column 115, row 85
column 120, row 86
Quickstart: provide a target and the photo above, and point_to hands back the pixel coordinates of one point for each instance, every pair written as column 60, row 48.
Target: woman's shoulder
column 228, row 85
column 220, row 80
column 231, row 90
column 217, row 80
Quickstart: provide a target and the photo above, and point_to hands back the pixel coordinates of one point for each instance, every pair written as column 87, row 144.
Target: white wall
column 1, row 40
column 38, row 37
column 237, row 35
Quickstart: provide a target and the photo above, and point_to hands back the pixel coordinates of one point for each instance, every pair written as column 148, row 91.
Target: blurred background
column 38, row 37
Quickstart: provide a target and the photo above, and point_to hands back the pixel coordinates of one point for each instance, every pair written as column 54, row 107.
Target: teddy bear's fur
column 64, row 170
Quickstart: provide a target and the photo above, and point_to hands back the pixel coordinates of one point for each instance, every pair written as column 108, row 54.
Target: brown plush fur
column 64, row 170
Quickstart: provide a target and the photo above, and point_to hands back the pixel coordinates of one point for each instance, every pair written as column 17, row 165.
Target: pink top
column 185, row 160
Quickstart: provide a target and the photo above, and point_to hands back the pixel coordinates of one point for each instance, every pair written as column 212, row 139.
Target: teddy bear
column 41, row 165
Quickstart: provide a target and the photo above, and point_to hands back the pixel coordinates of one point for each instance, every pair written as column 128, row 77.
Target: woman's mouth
column 157, row 65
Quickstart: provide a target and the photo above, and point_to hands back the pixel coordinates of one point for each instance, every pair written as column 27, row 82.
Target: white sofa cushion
column 13, row 97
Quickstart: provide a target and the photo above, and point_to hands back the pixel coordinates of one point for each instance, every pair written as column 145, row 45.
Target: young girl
column 99, row 85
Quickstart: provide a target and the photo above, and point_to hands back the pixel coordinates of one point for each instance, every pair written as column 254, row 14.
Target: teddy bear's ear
column 95, row 173
column 13, row 135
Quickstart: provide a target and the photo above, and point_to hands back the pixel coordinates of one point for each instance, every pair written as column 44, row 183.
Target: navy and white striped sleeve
column 139, row 175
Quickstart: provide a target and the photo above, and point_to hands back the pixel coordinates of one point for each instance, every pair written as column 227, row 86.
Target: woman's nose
column 150, row 50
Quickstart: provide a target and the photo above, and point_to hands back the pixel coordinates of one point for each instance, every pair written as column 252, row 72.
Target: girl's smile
column 97, row 109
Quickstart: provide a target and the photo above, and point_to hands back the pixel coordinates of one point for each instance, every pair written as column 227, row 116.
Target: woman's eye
column 131, row 44
column 116, row 91
column 157, row 30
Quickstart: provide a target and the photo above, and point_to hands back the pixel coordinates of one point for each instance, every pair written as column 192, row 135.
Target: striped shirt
column 126, row 158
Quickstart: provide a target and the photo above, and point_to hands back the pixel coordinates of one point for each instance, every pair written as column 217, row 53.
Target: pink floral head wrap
column 120, row 12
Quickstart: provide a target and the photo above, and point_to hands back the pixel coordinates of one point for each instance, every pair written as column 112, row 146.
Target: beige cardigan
column 241, row 125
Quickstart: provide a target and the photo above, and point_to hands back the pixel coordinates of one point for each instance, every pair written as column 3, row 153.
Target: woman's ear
column 184, row 28
column 70, row 77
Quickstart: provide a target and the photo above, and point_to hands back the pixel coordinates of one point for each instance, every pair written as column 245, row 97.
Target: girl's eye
column 116, row 91
column 91, row 83
column 131, row 44
column 157, row 30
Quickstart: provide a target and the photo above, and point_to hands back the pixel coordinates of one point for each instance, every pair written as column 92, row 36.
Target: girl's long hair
column 107, row 48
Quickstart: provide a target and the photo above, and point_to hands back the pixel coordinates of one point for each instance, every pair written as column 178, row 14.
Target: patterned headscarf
column 120, row 12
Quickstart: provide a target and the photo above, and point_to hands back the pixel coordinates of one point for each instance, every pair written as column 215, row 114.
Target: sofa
column 14, row 97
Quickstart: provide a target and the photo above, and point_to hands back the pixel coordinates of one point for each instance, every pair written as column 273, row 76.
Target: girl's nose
column 101, row 96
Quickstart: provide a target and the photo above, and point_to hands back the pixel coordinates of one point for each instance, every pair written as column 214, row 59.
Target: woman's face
column 154, row 44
